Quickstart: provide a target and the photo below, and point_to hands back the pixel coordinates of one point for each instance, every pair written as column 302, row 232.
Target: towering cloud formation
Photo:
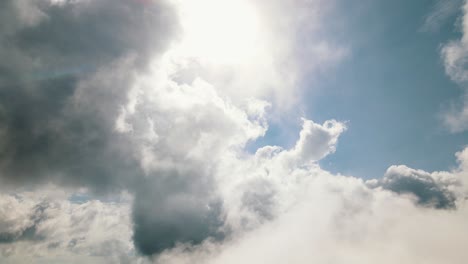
column 123, row 127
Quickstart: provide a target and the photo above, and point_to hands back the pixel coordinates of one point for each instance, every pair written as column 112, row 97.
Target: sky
column 233, row 131
column 391, row 89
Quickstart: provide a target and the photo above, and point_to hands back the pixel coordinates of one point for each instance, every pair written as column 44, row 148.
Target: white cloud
column 339, row 219
column 278, row 212
column 167, row 118
column 316, row 141
column 455, row 57
column 46, row 225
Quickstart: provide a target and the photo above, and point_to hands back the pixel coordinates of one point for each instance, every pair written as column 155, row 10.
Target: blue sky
column 392, row 90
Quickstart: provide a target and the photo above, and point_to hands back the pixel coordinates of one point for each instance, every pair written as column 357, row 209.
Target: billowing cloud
column 341, row 219
column 67, row 68
column 328, row 218
column 436, row 189
column 48, row 225
column 123, row 134
column 92, row 98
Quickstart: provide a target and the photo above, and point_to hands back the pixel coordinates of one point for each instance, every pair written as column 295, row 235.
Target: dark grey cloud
column 430, row 190
column 65, row 72
column 56, row 120
column 171, row 210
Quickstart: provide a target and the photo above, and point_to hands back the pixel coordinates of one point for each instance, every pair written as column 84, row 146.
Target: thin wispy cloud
column 440, row 13
column 454, row 55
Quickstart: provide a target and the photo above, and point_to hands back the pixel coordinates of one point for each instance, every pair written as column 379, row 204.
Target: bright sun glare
column 219, row 31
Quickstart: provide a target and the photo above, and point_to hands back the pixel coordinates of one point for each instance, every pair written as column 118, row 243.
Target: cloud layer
column 121, row 143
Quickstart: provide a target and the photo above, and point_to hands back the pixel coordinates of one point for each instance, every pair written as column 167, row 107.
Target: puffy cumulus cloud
column 179, row 133
column 169, row 211
column 455, row 55
column 436, row 189
column 70, row 68
column 327, row 218
column 260, row 187
column 341, row 219
column 462, row 158
column 196, row 178
column 49, row 226
column 93, row 97
column 316, row 141
column 159, row 99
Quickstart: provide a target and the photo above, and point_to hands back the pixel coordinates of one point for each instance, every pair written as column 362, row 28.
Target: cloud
column 340, row 219
column 454, row 55
column 317, row 141
column 286, row 212
column 44, row 224
column 179, row 133
column 181, row 217
column 440, row 13
column 260, row 187
column 102, row 96
column 168, row 210
column 86, row 102
column 436, row 189
column 70, row 72
column 56, row 107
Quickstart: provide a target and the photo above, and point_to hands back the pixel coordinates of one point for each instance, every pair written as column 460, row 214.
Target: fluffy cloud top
column 45, row 225
column 436, row 189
